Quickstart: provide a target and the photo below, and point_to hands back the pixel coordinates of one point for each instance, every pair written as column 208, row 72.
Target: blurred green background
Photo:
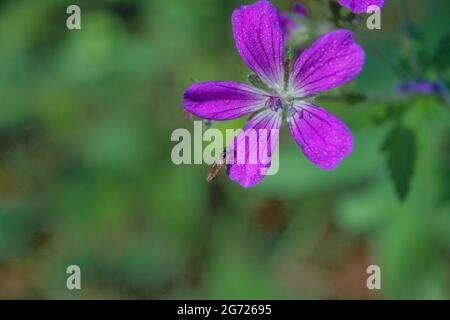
column 86, row 176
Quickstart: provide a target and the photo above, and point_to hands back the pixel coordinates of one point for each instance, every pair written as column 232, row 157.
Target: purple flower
column 425, row 87
column 420, row 86
column 360, row 6
column 330, row 61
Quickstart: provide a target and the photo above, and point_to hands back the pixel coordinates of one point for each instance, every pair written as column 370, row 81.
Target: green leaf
column 401, row 149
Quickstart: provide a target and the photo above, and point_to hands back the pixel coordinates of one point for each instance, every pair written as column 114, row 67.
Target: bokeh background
column 86, row 176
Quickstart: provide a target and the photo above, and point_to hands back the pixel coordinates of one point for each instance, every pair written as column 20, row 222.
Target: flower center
column 274, row 103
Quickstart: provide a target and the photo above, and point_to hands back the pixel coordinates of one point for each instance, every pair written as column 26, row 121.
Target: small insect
column 215, row 168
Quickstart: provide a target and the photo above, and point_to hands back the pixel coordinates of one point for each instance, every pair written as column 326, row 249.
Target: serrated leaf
column 401, row 149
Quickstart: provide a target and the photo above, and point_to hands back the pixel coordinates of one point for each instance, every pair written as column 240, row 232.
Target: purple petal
column 222, row 100
column 252, row 149
column 259, row 40
column 324, row 139
column 330, row 61
column 360, row 6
